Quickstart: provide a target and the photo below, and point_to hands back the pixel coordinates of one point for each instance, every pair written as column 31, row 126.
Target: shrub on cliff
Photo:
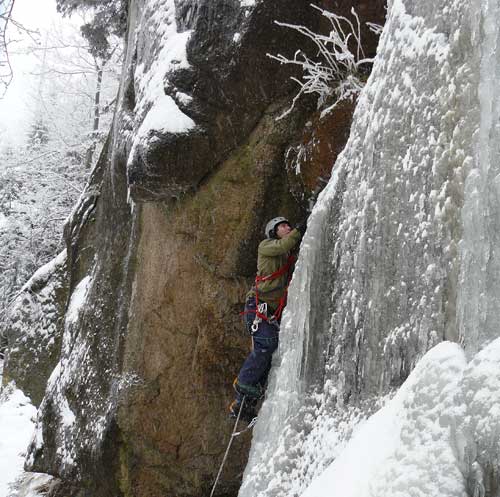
column 339, row 70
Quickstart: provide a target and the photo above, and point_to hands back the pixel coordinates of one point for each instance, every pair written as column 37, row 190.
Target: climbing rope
column 234, row 434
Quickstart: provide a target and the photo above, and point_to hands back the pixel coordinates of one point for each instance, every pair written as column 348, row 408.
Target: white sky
column 15, row 107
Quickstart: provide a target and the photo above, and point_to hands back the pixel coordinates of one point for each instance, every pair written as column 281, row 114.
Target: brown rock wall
column 185, row 335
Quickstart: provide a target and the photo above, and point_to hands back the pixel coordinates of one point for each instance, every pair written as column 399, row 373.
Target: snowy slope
column 434, row 438
column 16, row 429
column 404, row 448
column 17, row 424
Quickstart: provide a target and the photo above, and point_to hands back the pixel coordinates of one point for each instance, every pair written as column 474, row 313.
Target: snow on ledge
column 77, row 300
column 43, row 274
column 32, row 485
column 164, row 116
column 156, row 111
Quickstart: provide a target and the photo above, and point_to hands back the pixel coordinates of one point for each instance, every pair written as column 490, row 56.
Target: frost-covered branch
column 6, row 20
column 38, row 187
column 6, row 74
column 337, row 75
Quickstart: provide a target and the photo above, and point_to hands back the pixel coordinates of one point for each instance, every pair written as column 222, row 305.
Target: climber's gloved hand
column 301, row 226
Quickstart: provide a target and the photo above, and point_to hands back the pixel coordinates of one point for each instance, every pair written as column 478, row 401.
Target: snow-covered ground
column 16, row 429
column 17, row 415
column 406, row 448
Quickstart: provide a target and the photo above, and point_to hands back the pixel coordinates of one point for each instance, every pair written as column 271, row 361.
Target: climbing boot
column 247, row 414
column 249, row 391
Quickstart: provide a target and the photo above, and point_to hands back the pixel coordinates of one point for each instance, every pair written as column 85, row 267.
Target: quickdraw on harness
column 261, row 308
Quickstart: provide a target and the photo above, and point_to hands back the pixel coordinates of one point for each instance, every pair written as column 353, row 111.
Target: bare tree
column 6, row 7
column 100, row 66
column 70, row 73
column 7, row 24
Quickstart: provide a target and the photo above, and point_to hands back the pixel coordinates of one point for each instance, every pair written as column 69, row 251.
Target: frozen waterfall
column 401, row 254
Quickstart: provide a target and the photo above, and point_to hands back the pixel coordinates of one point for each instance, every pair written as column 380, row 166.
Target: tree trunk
column 97, row 115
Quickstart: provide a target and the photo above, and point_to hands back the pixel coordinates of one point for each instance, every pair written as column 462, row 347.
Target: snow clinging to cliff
column 155, row 110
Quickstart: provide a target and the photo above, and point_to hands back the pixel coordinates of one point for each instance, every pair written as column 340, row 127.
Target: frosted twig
column 375, row 28
column 337, row 74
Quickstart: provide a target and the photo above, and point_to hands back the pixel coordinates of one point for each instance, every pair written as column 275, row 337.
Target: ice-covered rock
column 400, row 254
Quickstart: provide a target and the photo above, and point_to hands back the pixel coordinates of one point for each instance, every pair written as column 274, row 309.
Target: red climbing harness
column 282, row 302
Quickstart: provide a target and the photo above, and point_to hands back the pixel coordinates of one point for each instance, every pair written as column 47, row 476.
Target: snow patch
column 395, row 451
column 16, row 427
column 164, row 117
column 32, row 485
column 67, row 416
column 45, row 272
column 183, row 98
column 158, row 112
column 77, row 300
column 4, row 222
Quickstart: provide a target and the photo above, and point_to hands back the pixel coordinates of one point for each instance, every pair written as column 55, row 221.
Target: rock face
column 222, row 91
column 162, row 248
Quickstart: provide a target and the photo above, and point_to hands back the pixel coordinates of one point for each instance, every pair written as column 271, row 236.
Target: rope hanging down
column 233, row 435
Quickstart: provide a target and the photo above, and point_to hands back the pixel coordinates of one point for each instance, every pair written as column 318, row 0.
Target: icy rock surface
column 399, row 255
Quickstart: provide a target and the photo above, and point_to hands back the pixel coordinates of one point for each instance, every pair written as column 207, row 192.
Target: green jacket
column 271, row 256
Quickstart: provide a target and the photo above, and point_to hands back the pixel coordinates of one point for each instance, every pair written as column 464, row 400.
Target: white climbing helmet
column 271, row 226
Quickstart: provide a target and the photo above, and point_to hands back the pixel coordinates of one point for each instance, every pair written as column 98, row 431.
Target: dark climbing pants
column 257, row 365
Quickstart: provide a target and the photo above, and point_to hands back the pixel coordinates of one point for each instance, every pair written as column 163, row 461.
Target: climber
column 263, row 308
